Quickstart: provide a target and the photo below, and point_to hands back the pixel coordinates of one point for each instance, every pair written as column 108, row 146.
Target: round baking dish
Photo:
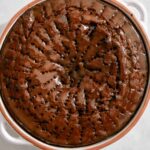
column 112, row 139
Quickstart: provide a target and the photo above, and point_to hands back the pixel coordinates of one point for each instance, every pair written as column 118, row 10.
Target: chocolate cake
column 73, row 72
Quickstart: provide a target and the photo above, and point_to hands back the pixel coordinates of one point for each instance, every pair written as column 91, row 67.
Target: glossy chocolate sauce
column 73, row 72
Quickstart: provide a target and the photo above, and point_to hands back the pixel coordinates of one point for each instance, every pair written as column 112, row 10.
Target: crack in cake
column 73, row 72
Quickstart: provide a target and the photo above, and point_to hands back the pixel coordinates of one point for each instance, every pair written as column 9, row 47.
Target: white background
column 137, row 139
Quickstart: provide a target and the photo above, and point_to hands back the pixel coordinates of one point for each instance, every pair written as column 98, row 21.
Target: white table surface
column 137, row 139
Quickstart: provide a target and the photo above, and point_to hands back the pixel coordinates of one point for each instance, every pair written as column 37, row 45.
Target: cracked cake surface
column 73, row 72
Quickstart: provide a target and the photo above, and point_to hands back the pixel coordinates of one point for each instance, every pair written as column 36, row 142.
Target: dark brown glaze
column 73, row 72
